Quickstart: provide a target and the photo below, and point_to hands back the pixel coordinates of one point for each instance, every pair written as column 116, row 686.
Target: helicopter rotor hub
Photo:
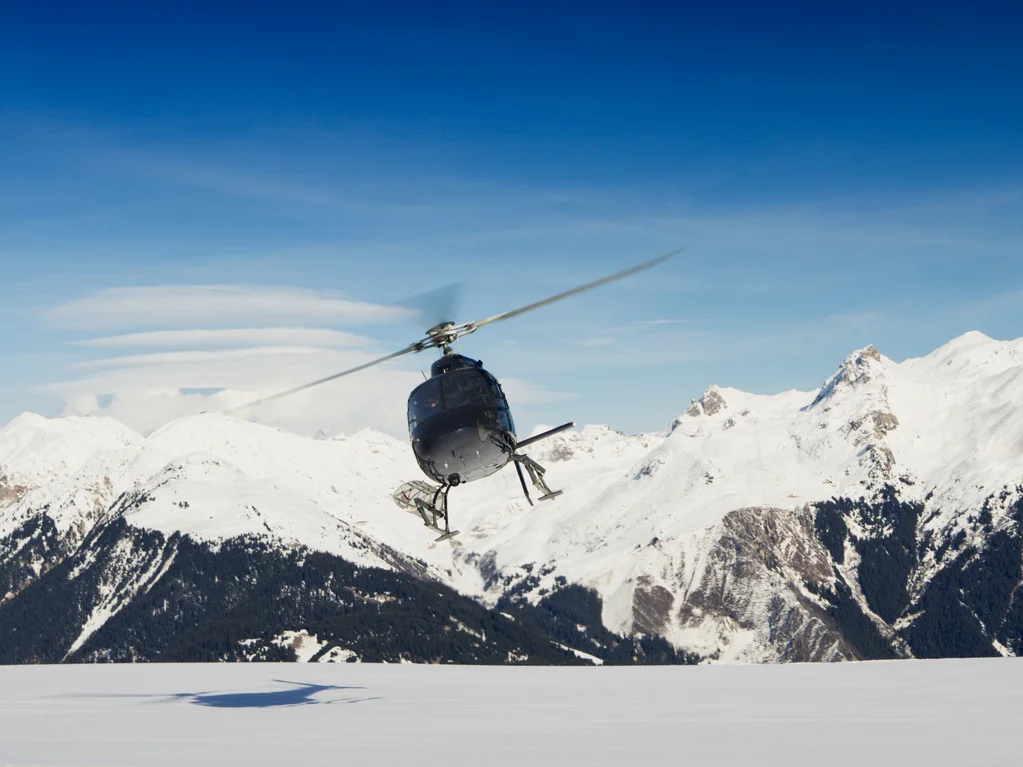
column 442, row 336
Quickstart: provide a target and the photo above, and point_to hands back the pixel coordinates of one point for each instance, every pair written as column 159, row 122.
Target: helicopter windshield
column 447, row 392
column 425, row 401
column 465, row 387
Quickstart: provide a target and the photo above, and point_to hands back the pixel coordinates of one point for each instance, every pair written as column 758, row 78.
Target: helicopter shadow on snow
column 297, row 694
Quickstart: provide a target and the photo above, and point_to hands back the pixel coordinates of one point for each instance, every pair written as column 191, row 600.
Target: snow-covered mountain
column 876, row 516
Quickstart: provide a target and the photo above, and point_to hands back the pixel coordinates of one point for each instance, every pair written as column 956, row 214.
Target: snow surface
column 953, row 712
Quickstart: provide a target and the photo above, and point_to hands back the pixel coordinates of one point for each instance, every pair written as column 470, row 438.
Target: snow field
column 954, row 712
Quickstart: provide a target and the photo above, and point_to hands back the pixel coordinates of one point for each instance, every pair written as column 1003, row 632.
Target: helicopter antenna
column 443, row 335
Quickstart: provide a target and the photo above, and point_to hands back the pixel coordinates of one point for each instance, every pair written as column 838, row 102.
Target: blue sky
column 176, row 174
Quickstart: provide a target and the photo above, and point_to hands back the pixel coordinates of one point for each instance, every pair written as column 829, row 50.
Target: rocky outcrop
column 756, row 587
column 710, row 403
column 858, row 369
column 10, row 492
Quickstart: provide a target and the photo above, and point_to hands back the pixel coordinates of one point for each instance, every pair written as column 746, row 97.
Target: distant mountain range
column 878, row 516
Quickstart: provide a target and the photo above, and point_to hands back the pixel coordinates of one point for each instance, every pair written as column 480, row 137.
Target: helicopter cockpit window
column 496, row 391
column 504, row 416
column 465, row 387
column 425, row 401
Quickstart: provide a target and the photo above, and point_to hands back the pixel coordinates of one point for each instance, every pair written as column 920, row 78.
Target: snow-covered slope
column 708, row 534
column 647, row 513
column 72, row 466
column 210, row 476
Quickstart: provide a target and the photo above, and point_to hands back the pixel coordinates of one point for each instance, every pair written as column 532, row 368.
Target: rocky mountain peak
column 709, row 404
column 858, row 369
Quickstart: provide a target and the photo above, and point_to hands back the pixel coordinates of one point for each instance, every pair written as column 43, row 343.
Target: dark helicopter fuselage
column 460, row 423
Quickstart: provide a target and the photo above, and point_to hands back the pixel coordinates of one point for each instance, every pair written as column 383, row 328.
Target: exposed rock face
column 870, row 353
column 842, row 580
column 874, row 425
column 561, row 452
column 651, row 606
column 10, row 493
column 857, row 370
column 879, row 461
column 757, row 585
column 883, row 423
column 710, row 403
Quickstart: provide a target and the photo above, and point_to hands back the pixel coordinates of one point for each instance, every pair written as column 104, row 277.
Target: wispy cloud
column 205, row 305
column 196, row 356
column 207, row 350
column 165, row 167
column 228, row 337
column 147, row 390
column 186, row 370
column 261, row 370
column 665, row 322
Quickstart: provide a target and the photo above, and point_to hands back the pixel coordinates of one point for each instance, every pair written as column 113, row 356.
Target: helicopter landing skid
column 428, row 502
column 535, row 472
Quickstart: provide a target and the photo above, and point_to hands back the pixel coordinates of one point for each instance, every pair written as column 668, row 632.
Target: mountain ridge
column 655, row 523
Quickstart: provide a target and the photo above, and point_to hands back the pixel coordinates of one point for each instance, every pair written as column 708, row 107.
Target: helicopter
column 459, row 420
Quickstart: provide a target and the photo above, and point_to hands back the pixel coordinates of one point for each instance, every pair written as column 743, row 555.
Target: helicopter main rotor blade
column 450, row 333
column 437, row 306
column 473, row 326
column 416, row 347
